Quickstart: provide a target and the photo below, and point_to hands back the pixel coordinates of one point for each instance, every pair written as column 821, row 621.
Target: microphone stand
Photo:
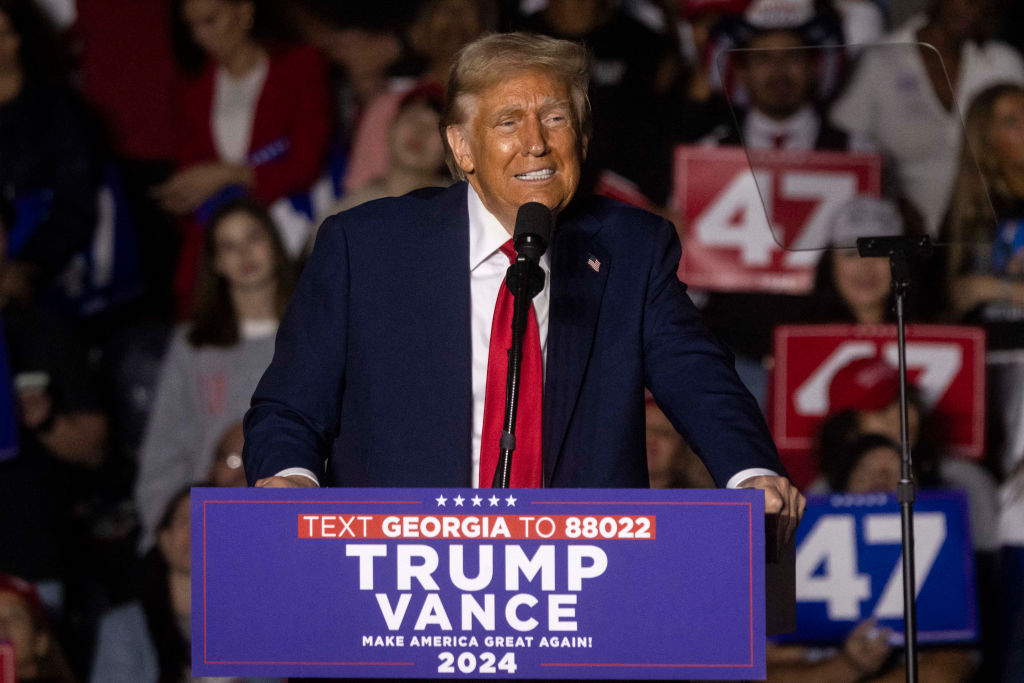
column 525, row 279
column 899, row 249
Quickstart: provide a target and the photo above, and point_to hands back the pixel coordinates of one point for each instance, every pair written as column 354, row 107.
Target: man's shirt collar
column 798, row 129
column 486, row 234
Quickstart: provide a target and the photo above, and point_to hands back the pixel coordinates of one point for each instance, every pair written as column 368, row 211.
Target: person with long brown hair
column 215, row 361
column 986, row 220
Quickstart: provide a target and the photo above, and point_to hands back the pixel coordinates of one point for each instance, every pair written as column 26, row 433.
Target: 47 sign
column 729, row 243
column 849, row 567
column 946, row 363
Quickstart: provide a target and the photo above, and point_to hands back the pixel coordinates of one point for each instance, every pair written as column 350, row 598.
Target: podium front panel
column 549, row 583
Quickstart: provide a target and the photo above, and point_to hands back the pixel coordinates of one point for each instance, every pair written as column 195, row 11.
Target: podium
column 514, row 583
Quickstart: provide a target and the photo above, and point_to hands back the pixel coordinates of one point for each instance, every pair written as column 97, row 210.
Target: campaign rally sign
column 849, row 567
column 517, row 583
column 728, row 243
column 945, row 362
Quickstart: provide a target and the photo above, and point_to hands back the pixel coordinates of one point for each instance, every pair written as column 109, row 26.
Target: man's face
column 520, row 144
column 777, row 76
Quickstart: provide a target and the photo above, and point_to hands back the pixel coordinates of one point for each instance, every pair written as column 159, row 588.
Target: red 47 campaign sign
column 946, row 363
column 728, row 243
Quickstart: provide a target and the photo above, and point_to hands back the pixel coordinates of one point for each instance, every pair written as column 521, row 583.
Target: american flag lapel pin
column 594, row 264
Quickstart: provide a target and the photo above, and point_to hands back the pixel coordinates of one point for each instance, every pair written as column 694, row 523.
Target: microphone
column 534, row 223
column 525, row 279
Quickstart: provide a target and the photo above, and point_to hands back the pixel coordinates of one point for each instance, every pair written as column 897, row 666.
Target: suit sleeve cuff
column 741, row 476
column 301, row 471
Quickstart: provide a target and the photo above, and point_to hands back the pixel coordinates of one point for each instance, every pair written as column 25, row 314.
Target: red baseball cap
column 866, row 384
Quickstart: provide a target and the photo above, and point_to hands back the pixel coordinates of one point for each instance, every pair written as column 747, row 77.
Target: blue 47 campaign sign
column 548, row 583
column 849, row 567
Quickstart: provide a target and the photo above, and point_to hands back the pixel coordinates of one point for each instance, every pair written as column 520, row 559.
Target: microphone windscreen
column 534, row 218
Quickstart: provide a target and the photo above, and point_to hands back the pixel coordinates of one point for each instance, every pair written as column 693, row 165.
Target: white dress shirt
column 487, row 266
column 798, row 132
column 234, row 111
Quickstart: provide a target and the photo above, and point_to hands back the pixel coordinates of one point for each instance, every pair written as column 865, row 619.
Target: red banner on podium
column 728, row 244
column 946, row 363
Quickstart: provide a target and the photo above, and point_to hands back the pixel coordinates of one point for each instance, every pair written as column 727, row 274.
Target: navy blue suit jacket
column 371, row 376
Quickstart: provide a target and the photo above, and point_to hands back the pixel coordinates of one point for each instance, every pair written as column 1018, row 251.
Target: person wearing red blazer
column 256, row 120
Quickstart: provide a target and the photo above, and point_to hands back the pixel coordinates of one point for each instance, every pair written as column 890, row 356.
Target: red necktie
column 526, row 460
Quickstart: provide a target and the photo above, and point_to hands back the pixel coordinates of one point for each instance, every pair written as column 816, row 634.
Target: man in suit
column 380, row 374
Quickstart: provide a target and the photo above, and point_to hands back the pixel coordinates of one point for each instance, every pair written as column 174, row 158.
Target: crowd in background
column 164, row 165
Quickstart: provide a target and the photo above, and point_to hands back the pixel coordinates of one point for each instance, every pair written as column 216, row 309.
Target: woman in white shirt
column 215, row 361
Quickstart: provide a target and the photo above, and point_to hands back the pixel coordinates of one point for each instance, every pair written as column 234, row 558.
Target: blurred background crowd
column 164, row 165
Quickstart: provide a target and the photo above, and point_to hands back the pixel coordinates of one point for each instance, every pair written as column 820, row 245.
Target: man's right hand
column 292, row 481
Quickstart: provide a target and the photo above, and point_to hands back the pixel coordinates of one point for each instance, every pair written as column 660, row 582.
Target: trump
column 389, row 367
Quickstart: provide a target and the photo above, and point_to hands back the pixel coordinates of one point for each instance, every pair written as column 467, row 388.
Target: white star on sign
column 476, row 501
column 493, row 500
column 511, row 501
column 458, row 501
column 441, row 500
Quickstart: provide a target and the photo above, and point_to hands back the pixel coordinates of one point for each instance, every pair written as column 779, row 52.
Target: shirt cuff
column 302, row 472
column 741, row 476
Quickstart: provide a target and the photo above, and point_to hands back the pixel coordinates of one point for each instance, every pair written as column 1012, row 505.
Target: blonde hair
column 483, row 64
column 971, row 213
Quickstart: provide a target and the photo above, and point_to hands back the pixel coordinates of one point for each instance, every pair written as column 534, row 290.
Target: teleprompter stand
column 900, row 250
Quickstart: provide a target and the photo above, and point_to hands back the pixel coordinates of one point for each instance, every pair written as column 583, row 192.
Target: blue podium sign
column 849, row 567
column 548, row 583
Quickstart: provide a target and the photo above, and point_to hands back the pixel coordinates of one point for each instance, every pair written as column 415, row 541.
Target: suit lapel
column 579, row 270
column 443, row 250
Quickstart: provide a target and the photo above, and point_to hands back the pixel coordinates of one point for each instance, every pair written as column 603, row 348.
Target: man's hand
column 292, row 481
column 782, row 500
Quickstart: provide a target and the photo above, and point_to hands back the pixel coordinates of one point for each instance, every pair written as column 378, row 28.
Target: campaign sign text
column 728, row 242
column 550, row 583
column 849, row 567
column 945, row 362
